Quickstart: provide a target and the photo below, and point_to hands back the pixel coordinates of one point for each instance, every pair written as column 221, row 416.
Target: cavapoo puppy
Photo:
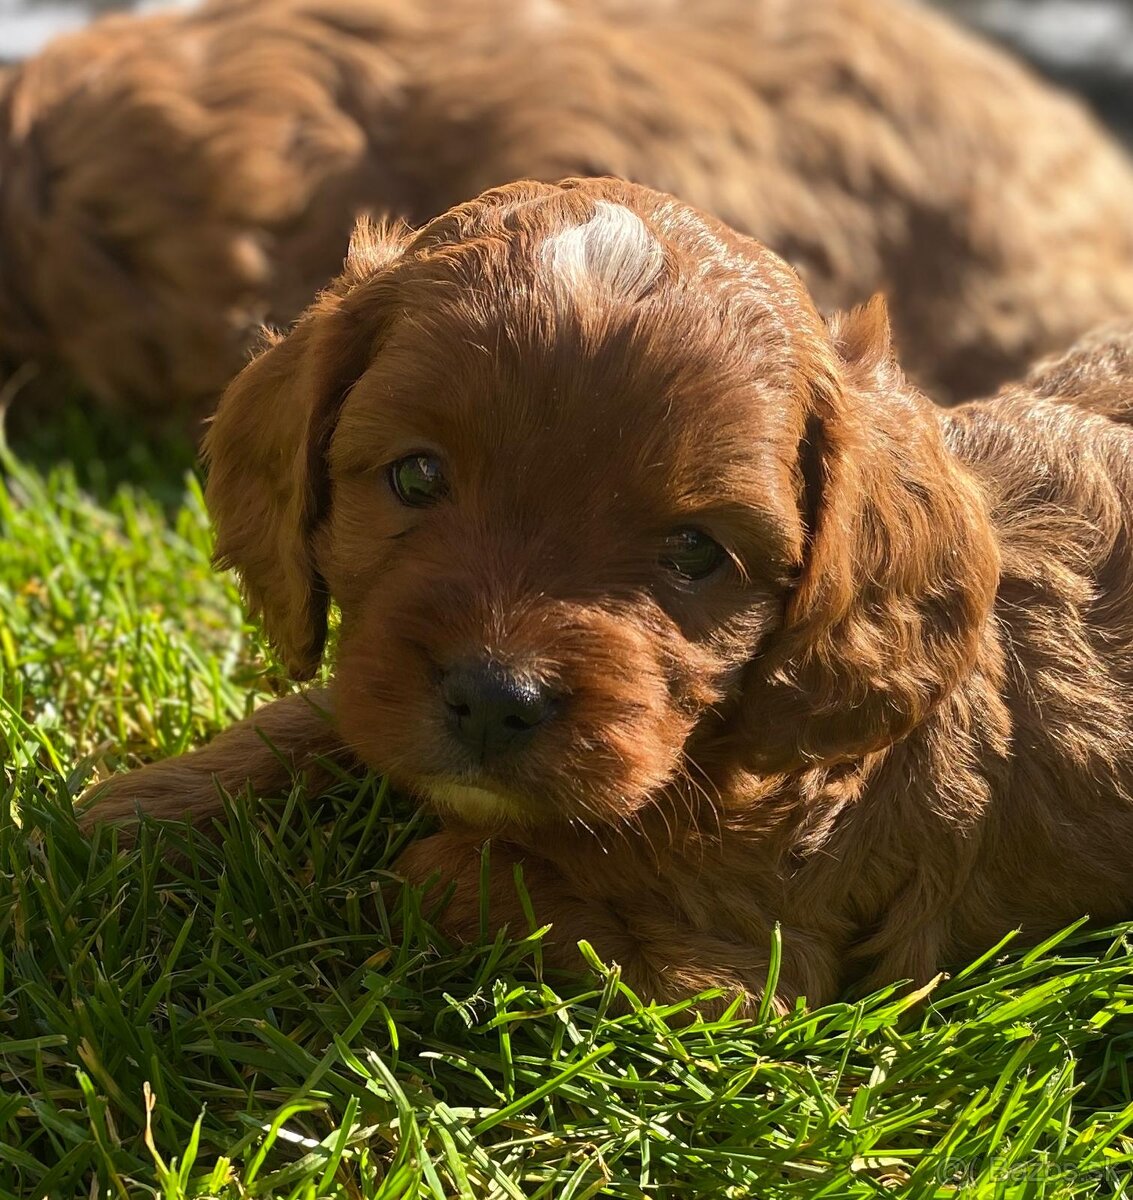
column 683, row 598
column 169, row 182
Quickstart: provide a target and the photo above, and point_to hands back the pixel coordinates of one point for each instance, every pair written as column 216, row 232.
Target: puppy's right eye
column 418, row 480
column 692, row 554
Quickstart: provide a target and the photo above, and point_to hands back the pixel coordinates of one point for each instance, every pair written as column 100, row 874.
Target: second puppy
column 169, row 182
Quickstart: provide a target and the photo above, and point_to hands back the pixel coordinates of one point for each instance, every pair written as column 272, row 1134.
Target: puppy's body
column 892, row 713
column 1011, row 806
column 168, row 183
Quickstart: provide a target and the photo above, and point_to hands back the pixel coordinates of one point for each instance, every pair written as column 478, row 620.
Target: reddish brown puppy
column 683, row 598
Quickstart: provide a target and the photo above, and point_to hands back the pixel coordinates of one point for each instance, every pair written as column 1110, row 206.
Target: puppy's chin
column 475, row 805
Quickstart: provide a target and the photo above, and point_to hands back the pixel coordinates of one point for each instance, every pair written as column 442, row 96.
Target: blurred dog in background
column 170, row 182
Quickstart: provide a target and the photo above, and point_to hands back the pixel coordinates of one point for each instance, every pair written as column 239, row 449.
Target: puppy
column 684, row 600
column 169, row 182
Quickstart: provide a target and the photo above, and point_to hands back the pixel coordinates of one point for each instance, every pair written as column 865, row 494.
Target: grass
column 271, row 1015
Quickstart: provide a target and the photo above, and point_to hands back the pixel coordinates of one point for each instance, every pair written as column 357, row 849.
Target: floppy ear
column 900, row 568
column 267, row 484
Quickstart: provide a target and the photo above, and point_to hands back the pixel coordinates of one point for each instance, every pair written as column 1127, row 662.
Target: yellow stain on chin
column 475, row 805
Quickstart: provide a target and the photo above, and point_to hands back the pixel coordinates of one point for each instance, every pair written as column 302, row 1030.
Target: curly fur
column 897, row 722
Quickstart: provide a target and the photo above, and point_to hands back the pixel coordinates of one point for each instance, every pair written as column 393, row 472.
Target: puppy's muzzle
column 492, row 710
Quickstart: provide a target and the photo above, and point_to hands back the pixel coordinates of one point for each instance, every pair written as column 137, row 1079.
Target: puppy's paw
column 447, row 860
column 661, row 961
column 441, row 858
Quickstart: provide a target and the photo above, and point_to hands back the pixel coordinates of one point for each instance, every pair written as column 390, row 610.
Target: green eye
column 418, row 480
column 691, row 553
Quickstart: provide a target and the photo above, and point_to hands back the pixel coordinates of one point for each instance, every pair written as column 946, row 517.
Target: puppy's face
column 560, row 522
column 605, row 506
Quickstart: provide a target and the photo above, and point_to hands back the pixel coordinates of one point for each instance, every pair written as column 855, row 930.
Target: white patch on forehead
column 544, row 14
column 613, row 248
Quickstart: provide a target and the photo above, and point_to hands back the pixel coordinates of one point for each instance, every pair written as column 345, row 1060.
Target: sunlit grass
column 273, row 1015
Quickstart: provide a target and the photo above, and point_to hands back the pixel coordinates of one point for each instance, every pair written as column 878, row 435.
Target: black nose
column 491, row 708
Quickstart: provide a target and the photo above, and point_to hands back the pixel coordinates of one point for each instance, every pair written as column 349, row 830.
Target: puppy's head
column 603, row 502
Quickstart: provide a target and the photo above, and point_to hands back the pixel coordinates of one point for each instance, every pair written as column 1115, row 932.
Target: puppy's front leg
column 266, row 750
column 661, row 958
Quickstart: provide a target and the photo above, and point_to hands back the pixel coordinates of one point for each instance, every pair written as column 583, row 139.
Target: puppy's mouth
column 474, row 803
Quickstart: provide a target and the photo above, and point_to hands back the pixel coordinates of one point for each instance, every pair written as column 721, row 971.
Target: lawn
column 270, row 1014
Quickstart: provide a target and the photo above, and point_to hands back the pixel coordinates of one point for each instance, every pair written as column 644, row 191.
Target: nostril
column 457, row 693
column 520, row 724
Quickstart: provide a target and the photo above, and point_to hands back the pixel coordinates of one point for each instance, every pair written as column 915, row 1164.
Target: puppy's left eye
column 692, row 554
column 418, row 480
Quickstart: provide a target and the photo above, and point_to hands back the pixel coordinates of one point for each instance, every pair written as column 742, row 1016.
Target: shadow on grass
column 48, row 428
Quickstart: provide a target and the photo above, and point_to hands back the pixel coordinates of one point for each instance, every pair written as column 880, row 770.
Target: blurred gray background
column 1084, row 44
column 26, row 24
